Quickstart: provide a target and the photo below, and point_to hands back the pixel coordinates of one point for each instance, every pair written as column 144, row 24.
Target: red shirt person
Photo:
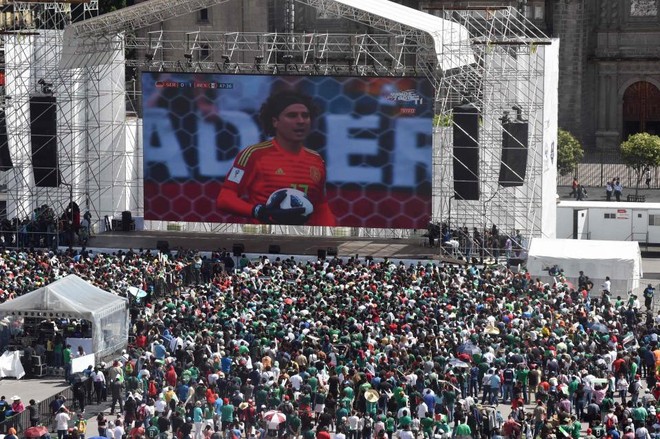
column 282, row 162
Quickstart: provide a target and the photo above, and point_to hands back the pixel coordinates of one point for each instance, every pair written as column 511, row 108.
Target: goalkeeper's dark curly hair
column 277, row 102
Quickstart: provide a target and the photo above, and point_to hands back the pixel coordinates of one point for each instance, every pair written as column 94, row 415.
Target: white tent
column 621, row 261
column 72, row 297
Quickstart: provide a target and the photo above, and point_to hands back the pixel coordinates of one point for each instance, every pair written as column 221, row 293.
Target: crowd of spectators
column 361, row 349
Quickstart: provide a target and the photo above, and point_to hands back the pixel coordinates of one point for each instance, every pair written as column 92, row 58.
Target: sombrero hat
column 371, row 395
column 492, row 330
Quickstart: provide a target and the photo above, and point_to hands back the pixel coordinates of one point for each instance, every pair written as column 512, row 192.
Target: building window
column 643, row 8
column 205, row 53
column 610, row 215
column 539, row 12
column 203, row 16
column 654, row 220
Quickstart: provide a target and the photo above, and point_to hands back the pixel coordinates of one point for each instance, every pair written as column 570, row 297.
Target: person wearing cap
column 648, row 293
column 282, row 162
column 227, row 414
column 81, row 425
column 16, row 405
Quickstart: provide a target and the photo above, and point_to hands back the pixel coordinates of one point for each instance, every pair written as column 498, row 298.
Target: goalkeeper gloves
column 272, row 213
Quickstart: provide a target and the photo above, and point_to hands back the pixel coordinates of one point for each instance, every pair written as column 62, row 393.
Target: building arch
column 639, row 103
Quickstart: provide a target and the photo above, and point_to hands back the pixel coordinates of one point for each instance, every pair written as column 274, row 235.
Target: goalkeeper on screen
column 282, row 162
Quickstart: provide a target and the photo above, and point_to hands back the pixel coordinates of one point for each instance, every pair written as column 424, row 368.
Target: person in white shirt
column 607, row 285
column 353, row 422
column 422, row 409
column 98, row 378
column 161, row 405
column 642, row 433
column 62, row 419
column 406, row 434
column 296, row 381
column 110, row 431
column 119, row 429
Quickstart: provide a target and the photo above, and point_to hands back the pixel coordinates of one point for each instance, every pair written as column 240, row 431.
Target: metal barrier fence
column 597, row 168
column 21, row 421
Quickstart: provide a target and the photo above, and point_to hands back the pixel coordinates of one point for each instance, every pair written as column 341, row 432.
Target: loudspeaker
column 43, row 128
column 514, row 153
column 332, row 251
column 163, row 246
column 274, row 249
column 126, row 220
column 466, row 152
column 238, row 249
column 321, row 253
column 5, row 157
column 515, row 261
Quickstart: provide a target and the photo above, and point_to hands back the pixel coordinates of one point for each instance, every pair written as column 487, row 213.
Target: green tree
column 569, row 152
column 111, row 5
column 639, row 152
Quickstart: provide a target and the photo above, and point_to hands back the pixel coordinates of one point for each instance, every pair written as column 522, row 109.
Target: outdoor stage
column 403, row 248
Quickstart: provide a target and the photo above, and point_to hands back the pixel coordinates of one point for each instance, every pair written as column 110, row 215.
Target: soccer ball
column 293, row 198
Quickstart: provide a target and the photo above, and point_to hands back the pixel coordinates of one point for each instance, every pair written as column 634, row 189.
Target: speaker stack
column 466, row 152
column 43, row 134
column 515, row 149
column 238, row 249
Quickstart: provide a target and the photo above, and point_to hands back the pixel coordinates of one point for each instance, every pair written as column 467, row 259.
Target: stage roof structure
column 444, row 36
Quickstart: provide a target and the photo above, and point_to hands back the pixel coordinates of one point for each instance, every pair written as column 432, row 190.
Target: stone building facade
column 609, row 53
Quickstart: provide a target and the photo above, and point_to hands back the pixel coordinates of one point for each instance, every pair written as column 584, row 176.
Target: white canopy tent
column 621, row 261
column 73, row 298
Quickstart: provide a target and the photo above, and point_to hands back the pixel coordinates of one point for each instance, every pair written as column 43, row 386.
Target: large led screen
column 350, row 151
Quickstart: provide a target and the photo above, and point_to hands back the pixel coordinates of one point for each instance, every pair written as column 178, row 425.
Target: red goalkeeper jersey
column 261, row 169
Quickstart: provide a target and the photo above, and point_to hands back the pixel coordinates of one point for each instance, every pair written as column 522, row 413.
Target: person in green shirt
column 389, row 425
column 153, row 431
column 576, row 427
column 308, row 434
column 639, row 415
column 428, row 424
column 57, row 353
column 522, row 376
column 462, row 431
column 293, row 423
column 342, row 415
column 405, row 420
column 66, row 356
column 209, row 412
column 227, row 416
column 449, row 400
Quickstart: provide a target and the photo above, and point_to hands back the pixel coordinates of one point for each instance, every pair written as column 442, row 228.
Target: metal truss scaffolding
column 513, row 79
column 99, row 130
